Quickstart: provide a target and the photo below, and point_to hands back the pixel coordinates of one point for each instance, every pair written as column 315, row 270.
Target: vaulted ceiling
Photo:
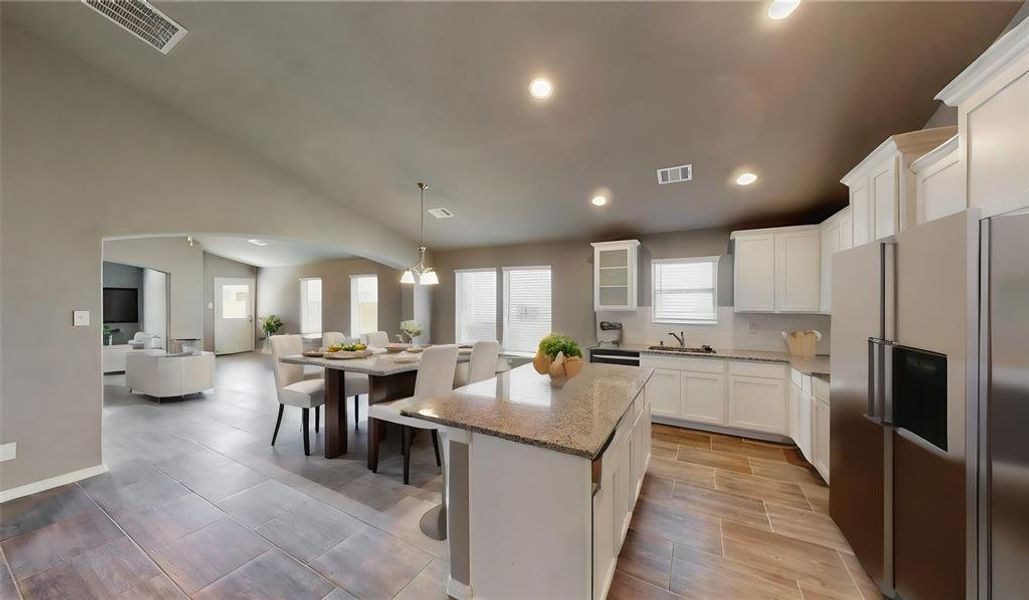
column 362, row 100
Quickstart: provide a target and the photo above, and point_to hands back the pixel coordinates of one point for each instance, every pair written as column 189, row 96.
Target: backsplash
column 739, row 331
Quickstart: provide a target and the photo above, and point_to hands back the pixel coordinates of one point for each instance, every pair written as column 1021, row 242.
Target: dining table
column 391, row 376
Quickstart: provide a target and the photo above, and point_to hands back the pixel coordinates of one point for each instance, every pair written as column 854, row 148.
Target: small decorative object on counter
column 558, row 356
column 802, row 343
column 411, row 329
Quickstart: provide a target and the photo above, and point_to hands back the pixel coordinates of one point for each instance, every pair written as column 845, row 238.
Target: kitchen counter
column 523, row 406
column 817, row 366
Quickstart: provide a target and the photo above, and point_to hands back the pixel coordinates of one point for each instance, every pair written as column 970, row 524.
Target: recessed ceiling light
column 541, row 88
column 746, row 179
column 780, row 9
column 257, row 242
column 599, row 201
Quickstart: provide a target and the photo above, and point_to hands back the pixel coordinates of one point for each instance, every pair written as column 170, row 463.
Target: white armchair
column 140, row 341
column 160, row 375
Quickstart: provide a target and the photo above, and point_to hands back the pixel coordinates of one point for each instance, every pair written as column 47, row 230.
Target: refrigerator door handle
column 886, row 384
column 873, row 379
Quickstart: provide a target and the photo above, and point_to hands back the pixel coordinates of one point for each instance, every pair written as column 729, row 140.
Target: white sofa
column 159, row 374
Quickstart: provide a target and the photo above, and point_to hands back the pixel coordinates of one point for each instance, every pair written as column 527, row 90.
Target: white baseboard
column 46, row 484
column 458, row 590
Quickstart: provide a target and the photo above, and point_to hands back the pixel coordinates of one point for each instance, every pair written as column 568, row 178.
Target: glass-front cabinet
column 615, row 275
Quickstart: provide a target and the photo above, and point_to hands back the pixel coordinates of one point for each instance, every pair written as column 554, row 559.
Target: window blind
column 364, row 304
column 475, row 304
column 310, row 305
column 685, row 290
column 527, row 307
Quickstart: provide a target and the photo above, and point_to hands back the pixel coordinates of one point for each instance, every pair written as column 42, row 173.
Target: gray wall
column 571, row 266
column 278, row 293
column 85, row 158
column 219, row 266
column 117, row 275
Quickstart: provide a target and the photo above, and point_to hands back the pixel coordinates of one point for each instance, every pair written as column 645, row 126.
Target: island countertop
column 523, row 406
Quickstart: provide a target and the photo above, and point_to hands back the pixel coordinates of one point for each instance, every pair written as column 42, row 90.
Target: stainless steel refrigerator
column 1004, row 409
column 902, row 329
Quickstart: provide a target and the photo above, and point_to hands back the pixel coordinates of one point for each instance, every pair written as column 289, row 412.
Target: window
column 685, row 290
column 526, row 307
column 364, row 304
column 235, row 301
column 311, row 305
column 475, row 304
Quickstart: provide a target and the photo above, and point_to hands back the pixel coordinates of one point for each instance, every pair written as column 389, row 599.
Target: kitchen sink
column 701, row 350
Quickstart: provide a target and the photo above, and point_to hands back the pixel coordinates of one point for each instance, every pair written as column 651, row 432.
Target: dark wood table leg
column 384, row 389
column 335, row 413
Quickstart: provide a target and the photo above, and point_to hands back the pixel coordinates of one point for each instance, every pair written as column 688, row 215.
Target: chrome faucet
column 681, row 338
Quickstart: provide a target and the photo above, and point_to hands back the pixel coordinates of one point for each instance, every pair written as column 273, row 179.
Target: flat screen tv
column 121, row 305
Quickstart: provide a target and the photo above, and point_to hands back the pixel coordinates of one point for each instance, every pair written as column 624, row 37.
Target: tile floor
column 197, row 503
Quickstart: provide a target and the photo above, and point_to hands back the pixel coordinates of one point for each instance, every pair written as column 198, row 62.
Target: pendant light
column 419, row 273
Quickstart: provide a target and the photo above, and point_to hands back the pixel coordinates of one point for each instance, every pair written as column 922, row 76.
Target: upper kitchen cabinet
column 837, row 235
column 615, row 275
column 939, row 182
column 777, row 270
column 992, row 98
column 882, row 186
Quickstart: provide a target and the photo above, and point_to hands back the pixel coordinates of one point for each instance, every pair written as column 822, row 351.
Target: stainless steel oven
column 615, row 356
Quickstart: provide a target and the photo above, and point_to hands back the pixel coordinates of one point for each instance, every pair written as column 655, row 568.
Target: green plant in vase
column 271, row 325
column 411, row 329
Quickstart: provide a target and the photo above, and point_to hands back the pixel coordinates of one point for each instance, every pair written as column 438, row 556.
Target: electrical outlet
column 8, row 451
column 751, row 328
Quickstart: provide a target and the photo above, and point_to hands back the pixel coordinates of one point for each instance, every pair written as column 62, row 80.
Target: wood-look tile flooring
column 722, row 517
column 198, row 504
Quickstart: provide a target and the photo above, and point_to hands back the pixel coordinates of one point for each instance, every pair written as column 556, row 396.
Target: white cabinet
column 882, row 186
column 801, row 415
column 703, row 397
column 820, row 448
column 777, row 270
column 665, row 392
column 757, row 403
column 992, row 96
column 939, row 182
column 836, row 232
column 754, row 272
column 615, row 275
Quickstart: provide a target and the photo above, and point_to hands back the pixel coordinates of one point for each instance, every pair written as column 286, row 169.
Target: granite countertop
column 523, row 406
column 817, row 366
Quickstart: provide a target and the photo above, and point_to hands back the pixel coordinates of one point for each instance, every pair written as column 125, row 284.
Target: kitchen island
column 541, row 479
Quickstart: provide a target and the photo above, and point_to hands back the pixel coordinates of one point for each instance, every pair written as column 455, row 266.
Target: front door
column 233, row 315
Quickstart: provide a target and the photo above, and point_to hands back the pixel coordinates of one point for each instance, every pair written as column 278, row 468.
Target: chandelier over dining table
column 420, row 274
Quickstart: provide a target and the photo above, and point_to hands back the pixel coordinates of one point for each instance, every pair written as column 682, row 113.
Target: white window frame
column 304, row 324
column 458, row 307
column 691, row 260
column 506, row 290
column 354, row 332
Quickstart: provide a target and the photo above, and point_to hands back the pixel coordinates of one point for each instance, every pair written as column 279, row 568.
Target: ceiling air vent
column 441, row 213
column 674, row 174
column 141, row 20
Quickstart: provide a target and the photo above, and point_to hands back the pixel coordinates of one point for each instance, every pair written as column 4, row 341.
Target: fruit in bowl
column 346, row 347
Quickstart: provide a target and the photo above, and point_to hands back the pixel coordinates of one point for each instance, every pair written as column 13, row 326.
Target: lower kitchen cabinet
column 703, row 397
column 757, row 403
column 665, row 391
column 801, row 411
column 821, row 441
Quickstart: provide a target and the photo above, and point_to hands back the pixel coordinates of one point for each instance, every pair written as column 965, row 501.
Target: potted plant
column 109, row 334
column 271, row 325
column 558, row 356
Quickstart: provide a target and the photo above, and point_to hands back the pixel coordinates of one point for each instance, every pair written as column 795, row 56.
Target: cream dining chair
column 376, row 339
column 482, row 364
column 291, row 387
column 435, row 378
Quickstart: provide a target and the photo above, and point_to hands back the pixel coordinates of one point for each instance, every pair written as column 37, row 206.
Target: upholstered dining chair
column 435, row 378
column 482, row 363
column 291, row 387
column 376, row 339
column 354, row 384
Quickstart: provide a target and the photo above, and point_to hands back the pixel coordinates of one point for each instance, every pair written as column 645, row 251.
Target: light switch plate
column 8, row 451
column 80, row 318
column 210, row 306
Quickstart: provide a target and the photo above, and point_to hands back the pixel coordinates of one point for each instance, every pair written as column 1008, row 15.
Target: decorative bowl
column 314, row 353
column 394, row 348
column 344, row 354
